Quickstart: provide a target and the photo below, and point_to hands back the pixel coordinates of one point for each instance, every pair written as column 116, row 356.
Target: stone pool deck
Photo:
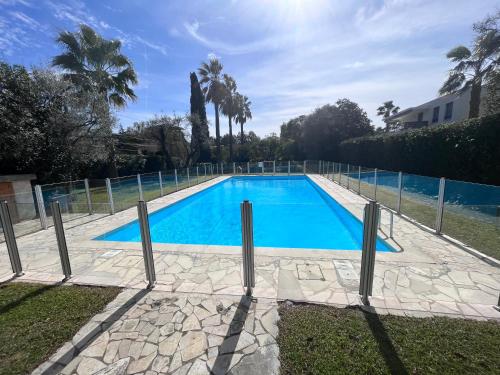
column 427, row 276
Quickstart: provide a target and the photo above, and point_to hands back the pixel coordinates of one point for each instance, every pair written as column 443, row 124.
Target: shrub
column 467, row 150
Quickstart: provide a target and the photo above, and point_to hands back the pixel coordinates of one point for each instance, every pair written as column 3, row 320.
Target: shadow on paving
column 222, row 363
column 384, row 342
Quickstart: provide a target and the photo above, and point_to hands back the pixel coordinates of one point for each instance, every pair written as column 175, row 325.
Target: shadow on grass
column 384, row 342
column 226, row 350
column 35, row 293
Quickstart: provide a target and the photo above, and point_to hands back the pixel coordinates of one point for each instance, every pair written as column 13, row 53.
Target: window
column 448, row 111
column 420, row 116
column 435, row 114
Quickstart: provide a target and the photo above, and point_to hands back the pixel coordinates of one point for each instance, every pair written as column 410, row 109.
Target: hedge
column 467, row 150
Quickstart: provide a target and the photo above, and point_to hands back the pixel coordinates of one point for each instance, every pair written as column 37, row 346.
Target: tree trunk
column 217, row 131
column 230, row 139
column 242, row 135
column 475, row 100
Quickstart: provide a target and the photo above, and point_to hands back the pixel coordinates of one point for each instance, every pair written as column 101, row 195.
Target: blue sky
column 288, row 56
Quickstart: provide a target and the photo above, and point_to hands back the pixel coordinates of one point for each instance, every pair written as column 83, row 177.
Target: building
column 17, row 191
column 444, row 109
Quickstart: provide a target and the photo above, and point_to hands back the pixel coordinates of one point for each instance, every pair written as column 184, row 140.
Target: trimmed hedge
column 468, row 151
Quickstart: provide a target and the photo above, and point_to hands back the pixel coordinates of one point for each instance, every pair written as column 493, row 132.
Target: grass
column 35, row 320
column 469, row 229
column 327, row 340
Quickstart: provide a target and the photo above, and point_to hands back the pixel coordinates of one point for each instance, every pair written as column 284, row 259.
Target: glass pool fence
column 467, row 212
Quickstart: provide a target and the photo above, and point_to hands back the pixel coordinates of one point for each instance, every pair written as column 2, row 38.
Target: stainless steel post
column 391, row 225
column 247, row 248
column 160, row 180
column 222, row 168
column 110, row 197
column 10, row 238
column 176, row 182
column 348, row 170
column 440, row 205
column 205, row 170
column 139, row 185
column 274, row 167
column 234, row 167
column 61, row 239
column 304, row 168
column 216, row 169
column 340, row 173
column 400, row 190
column 359, row 180
column 147, row 248
column 197, row 175
column 289, row 167
column 248, row 167
column 189, row 180
column 375, row 185
column 368, row 252
column 41, row 206
column 263, row 167
column 87, row 193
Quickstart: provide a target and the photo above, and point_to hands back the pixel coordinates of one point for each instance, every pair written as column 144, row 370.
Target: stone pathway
column 164, row 333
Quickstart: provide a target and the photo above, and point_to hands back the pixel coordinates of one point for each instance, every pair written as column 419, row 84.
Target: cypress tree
column 199, row 132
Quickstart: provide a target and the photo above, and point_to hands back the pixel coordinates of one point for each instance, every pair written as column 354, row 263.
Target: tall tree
column 386, row 110
column 213, row 88
column 477, row 65
column 96, row 64
column 199, row 124
column 243, row 113
column 230, row 107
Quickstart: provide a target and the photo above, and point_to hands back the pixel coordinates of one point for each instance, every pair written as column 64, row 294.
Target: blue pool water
column 288, row 212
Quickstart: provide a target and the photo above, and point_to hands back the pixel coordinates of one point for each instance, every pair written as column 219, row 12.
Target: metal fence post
column 262, row 167
column 274, row 167
column 189, row 180
column 440, row 206
column 348, row 170
column 247, row 246
column 176, row 182
column 289, row 167
column 375, row 185
column 147, row 248
column 197, row 175
column 10, row 238
column 222, row 169
column 61, row 239
column 359, row 180
column 400, row 191
column 248, row 167
column 87, row 193
column 369, row 249
column 340, row 173
column 304, row 167
column 41, row 206
column 139, row 185
column 160, row 180
column 110, row 197
column 234, row 167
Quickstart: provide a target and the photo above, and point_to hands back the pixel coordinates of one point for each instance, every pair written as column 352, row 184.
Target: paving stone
column 135, row 349
column 213, row 320
column 236, row 343
column 160, row 363
column 190, row 323
column 175, row 363
column 201, row 313
column 89, row 365
column 199, row 367
column 263, row 361
column 124, row 348
column 214, row 340
column 183, row 370
column 222, row 364
column 169, row 345
column 192, row 345
column 141, row 364
column 167, row 329
column 117, row 368
column 269, row 322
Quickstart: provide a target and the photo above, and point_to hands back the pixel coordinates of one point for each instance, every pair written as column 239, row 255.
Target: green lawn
column 469, row 229
column 35, row 320
column 327, row 340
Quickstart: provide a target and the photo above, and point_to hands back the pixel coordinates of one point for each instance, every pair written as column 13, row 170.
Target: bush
column 468, row 150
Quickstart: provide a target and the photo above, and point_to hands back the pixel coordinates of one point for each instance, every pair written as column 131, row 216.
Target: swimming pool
column 289, row 212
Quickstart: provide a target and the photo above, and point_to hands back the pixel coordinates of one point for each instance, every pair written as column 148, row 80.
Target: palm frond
column 453, row 83
column 459, row 53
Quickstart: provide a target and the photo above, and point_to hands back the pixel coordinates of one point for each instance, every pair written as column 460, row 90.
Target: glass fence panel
column 282, row 167
column 419, row 198
column 182, row 178
column 387, row 188
column 99, row 196
column 168, row 181
column 472, row 215
column 312, row 166
column 150, row 186
column 125, row 192
column 367, row 184
column 72, row 199
column 297, row 167
column 23, row 212
column 268, row 167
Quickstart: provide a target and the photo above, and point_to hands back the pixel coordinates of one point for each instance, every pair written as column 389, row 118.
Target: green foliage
column 464, row 151
column 96, row 64
column 50, row 128
column 199, row 124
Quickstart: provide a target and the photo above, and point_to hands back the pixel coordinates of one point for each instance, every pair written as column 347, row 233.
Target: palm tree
column 243, row 113
column 386, row 110
column 475, row 65
column 94, row 63
column 230, row 107
column 213, row 89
